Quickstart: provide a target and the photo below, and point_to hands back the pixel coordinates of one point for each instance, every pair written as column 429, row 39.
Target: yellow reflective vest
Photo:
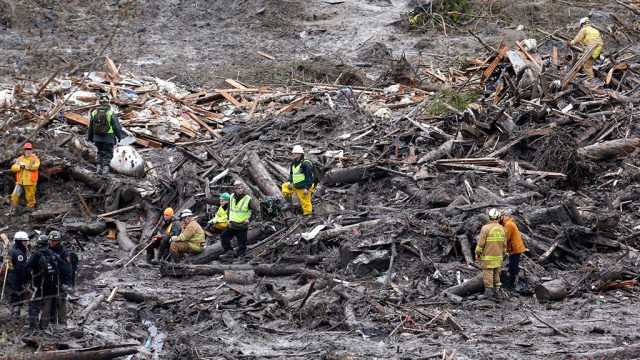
column 239, row 210
column 28, row 175
column 221, row 218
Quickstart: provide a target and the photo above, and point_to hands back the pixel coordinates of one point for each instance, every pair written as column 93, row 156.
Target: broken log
column 554, row 290
column 213, row 252
column 331, row 233
column 466, row 248
column 80, row 354
column 471, row 286
column 349, row 175
column 261, row 176
column 241, row 277
column 123, row 239
column 182, row 270
column 610, row 148
column 438, row 152
column 92, row 307
column 618, row 353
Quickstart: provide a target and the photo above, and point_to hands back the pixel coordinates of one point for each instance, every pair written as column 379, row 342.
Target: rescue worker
column 50, row 275
column 238, row 224
column 515, row 248
column 191, row 239
column 219, row 222
column 59, row 310
column 26, row 169
column 104, row 136
column 300, row 180
column 588, row 36
column 18, row 277
column 169, row 228
column 491, row 249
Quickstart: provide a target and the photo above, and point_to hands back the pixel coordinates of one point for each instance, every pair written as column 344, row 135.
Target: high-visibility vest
column 239, row 211
column 109, row 113
column 298, row 175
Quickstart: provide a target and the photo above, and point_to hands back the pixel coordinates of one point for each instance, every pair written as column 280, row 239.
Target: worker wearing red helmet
column 26, row 169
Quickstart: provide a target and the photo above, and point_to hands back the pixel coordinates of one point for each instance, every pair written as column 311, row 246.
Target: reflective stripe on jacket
column 492, row 244
column 28, row 175
column 239, row 211
column 193, row 235
column 589, row 36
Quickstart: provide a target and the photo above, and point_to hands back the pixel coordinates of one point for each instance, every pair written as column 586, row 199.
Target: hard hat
column 494, row 214
column 238, row 183
column 55, row 235
column 225, row 196
column 43, row 240
column 584, row 20
column 168, row 211
column 297, row 150
column 186, row 213
column 104, row 99
column 27, row 146
column 21, row 236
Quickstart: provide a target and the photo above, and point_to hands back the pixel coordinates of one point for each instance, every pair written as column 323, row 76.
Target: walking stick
column 138, row 254
column 4, row 282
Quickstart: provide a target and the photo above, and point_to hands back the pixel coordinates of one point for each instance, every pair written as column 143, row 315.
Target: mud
column 198, row 44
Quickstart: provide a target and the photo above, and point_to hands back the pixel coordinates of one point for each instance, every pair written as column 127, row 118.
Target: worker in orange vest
column 26, row 169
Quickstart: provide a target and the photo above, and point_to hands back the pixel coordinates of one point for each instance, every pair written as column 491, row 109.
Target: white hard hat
column 494, row 214
column 584, row 20
column 297, row 150
column 186, row 213
column 21, row 236
column 238, row 183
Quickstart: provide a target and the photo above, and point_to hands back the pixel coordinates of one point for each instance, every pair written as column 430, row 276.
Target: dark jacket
column 307, row 170
column 17, row 259
column 108, row 138
column 33, row 265
column 64, row 255
column 175, row 229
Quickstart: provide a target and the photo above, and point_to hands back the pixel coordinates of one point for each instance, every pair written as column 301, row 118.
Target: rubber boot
column 510, row 283
column 496, row 295
column 486, row 295
column 228, row 256
column 149, row 257
column 175, row 258
column 99, row 169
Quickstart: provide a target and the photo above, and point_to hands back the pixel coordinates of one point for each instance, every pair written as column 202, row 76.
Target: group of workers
column 42, row 279
column 499, row 238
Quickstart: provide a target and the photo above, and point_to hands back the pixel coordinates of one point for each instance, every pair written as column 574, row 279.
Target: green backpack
column 101, row 124
column 318, row 170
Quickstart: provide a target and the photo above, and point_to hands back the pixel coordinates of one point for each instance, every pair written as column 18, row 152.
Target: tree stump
column 554, row 290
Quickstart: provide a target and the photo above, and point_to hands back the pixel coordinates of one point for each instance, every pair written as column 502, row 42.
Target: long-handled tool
column 4, row 282
column 138, row 254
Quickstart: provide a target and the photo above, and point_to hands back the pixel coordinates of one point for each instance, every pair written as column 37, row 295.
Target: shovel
column 130, row 139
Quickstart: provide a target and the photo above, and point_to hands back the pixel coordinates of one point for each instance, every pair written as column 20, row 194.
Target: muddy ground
column 199, row 44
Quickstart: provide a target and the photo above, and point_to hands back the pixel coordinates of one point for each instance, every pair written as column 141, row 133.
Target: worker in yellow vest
column 300, row 180
column 238, row 224
column 191, row 239
column 219, row 222
column 588, row 36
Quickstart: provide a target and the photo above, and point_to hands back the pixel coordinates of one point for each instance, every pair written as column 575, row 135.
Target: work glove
column 477, row 257
column 174, row 238
column 64, row 287
column 568, row 43
column 22, row 165
column 306, row 191
column 289, row 186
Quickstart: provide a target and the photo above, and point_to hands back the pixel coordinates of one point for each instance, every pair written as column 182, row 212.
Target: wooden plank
column 516, row 60
column 5, row 239
column 495, row 62
column 439, row 77
column 204, row 125
column 526, row 53
column 230, row 98
column 75, row 118
column 235, row 84
column 206, row 113
column 578, row 65
column 293, row 104
column 255, row 105
column 113, row 71
column 555, row 56
column 270, row 57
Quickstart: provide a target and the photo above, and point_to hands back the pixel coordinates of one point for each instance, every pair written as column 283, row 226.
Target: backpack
column 48, row 264
column 318, row 170
column 270, row 207
column 101, row 125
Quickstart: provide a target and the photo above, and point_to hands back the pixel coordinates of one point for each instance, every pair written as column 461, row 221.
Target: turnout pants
column 588, row 68
column 490, row 276
column 179, row 247
column 305, row 200
column 105, row 153
column 29, row 195
column 240, row 235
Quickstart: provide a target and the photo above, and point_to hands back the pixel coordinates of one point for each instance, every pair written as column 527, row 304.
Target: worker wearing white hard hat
column 300, row 181
column 17, row 275
column 588, row 36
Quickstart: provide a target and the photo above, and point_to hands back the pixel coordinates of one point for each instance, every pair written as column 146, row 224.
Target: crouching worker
column 219, row 222
column 170, row 227
column 191, row 239
column 491, row 248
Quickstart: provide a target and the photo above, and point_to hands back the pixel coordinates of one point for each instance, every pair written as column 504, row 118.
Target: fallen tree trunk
column 474, row 285
column 554, row 290
column 438, row 152
column 262, row 178
column 466, row 248
column 82, row 354
column 89, row 309
column 611, row 148
column 347, row 175
column 181, row 270
column 123, row 239
column 622, row 353
column 213, row 252
column 331, row 233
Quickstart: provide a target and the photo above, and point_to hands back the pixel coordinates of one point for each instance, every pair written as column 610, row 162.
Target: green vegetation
column 447, row 96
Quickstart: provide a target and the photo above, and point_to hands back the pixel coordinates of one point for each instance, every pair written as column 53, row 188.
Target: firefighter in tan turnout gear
column 191, row 239
column 588, row 36
column 491, row 248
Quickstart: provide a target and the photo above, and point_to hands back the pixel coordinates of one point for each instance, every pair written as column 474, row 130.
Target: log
column 213, row 252
column 261, row 176
column 181, row 270
column 552, row 215
column 87, row 177
column 474, row 285
column 610, row 148
column 93, row 228
column 92, row 307
column 438, row 152
column 331, row 233
column 554, row 290
column 349, row 175
column 618, row 353
column 123, row 240
column 81, row 354
column 466, row 248
column 242, row 277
